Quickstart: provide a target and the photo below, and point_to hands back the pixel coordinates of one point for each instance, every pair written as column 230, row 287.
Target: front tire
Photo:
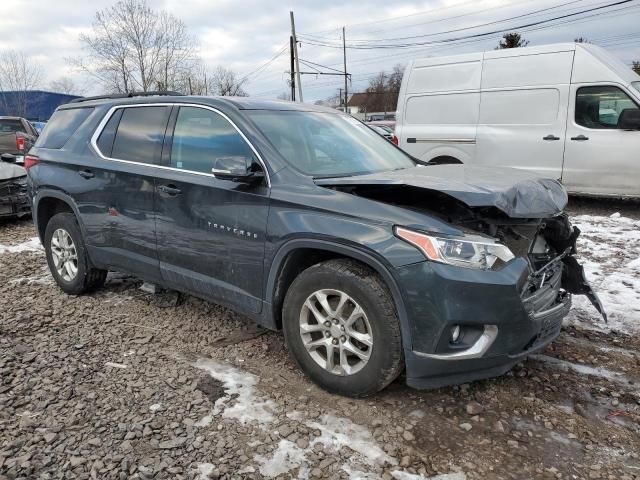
column 67, row 256
column 342, row 329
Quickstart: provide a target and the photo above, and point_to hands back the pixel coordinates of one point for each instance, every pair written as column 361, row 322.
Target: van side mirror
column 237, row 168
column 629, row 119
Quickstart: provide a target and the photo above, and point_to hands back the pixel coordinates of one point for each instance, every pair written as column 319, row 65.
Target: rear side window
column 108, row 135
column 62, row 125
column 140, row 134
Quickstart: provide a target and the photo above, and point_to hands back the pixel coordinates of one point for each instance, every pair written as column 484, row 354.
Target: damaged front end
column 14, row 199
column 546, row 239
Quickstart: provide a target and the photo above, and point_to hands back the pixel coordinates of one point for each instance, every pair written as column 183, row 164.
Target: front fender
column 369, row 258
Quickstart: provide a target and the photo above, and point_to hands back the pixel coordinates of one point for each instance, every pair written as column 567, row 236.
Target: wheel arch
column 297, row 255
column 48, row 203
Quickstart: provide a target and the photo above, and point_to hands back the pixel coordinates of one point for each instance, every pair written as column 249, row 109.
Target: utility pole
column 344, row 56
column 292, row 80
column 295, row 51
column 340, row 98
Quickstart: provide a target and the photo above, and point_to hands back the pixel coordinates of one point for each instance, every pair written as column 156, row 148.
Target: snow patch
column 341, row 432
column 44, row 279
column 31, row 245
column 286, row 457
column 400, row 475
column 243, row 403
column 204, row 471
column 245, row 406
column 115, row 365
column 155, row 407
column 609, row 250
column 600, row 372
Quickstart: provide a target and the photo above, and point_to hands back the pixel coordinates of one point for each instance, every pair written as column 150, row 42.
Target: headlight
column 467, row 251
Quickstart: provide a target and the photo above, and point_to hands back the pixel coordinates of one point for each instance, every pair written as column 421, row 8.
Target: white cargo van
column 566, row 111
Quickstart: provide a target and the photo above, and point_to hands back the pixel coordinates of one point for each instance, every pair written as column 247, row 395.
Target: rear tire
column 344, row 350
column 67, row 256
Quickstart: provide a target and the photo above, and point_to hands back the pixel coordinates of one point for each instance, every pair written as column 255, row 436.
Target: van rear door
column 523, row 110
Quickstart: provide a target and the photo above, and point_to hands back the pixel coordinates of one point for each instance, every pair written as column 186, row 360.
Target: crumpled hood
column 11, row 170
column 517, row 193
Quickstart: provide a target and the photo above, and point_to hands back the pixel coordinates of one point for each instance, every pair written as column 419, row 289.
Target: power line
column 476, row 35
column 264, row 65
column 535, row 12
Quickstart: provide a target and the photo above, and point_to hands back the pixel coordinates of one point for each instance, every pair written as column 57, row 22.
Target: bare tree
column 512, row 40
column 18, row 74
column 225, row 82
column 581, row 40
column 66, row 85
column 133, row 47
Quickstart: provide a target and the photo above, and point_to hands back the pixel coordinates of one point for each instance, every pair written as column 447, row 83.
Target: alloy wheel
column 64, row 255
column 336, row 332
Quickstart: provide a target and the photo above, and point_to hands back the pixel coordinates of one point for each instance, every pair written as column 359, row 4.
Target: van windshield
column 328, row 145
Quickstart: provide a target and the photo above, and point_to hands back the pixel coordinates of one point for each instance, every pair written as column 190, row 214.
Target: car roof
column 240, row 103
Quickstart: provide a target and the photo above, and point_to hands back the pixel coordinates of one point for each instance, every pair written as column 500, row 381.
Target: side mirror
column 7, row 157
column 237, row 169
column 629, row 119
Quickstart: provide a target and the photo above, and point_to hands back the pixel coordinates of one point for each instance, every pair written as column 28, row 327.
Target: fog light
column 455, row 333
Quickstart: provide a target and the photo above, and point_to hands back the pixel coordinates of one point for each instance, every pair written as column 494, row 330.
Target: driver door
column 210, row 231
column 601, row 157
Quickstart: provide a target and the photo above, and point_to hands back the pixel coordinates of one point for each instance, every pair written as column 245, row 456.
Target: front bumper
column 14, row 199
column 438, row 297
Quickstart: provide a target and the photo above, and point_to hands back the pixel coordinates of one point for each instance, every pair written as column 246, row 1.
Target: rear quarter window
column 62, row 125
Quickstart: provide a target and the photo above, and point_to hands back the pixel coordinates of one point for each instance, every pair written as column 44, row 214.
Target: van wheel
column 342, row 329
column 446, row 160
column 67, row 256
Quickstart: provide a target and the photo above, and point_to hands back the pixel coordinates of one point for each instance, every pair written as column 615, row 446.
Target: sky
column 246, row 35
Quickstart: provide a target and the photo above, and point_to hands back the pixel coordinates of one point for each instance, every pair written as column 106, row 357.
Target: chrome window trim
column 107, row 117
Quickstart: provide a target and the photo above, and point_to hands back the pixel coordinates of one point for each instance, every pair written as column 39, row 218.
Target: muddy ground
column 124, row 384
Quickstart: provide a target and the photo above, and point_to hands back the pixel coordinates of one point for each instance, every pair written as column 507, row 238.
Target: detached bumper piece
column 14, row 200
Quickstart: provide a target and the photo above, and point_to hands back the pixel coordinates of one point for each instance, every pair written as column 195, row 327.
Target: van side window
column 602, row 106
column 201, row 137
column 140, row 134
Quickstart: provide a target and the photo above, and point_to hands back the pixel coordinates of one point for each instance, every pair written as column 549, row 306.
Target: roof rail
column 126, row 95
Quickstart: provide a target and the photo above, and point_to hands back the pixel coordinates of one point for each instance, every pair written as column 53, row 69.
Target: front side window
column 202, row 137
column 636, row 85
column 140, row 134
column 327, row 144
column 601, row 107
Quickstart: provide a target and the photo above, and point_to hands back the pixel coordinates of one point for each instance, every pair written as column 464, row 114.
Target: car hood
column 517, row 193
column 11, row 170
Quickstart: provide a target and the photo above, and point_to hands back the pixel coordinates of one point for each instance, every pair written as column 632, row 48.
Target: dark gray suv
column 304, row 219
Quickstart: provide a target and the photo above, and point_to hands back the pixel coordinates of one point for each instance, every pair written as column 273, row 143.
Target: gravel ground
column 124, row 384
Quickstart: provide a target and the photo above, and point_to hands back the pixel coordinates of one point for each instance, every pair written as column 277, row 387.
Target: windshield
column 328, row 145
column 636, row 85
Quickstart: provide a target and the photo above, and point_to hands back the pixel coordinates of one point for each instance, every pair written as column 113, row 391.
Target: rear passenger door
column 119, row 211
column 211, row 232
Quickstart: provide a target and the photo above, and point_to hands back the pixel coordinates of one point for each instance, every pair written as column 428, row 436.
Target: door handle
column 86, row 174
column 580, row 138
column 551, row 137
column 170, row 190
